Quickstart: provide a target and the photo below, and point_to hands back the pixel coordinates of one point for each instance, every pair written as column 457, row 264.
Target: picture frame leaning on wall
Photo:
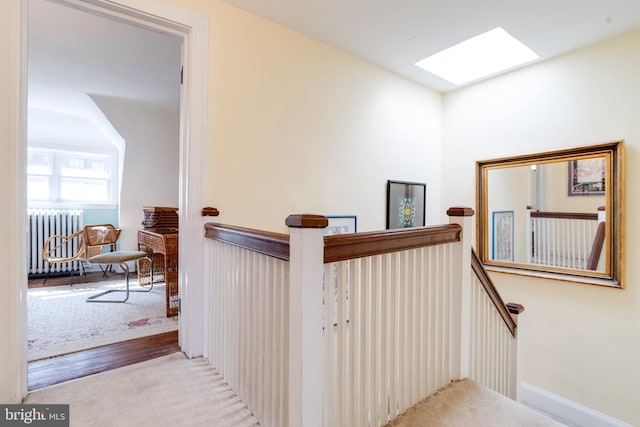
column 341, row 224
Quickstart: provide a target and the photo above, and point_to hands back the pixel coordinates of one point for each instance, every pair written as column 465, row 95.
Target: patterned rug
column 61, row 321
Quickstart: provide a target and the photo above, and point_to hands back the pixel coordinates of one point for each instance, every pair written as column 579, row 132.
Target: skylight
column 478, row 57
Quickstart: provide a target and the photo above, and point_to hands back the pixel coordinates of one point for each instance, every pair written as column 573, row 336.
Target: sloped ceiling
column 74, row 50
column 73, row 55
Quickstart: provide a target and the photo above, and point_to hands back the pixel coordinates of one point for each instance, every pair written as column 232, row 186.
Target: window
column 70, row 177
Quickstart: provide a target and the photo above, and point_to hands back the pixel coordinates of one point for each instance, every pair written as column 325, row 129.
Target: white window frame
column 55, row 200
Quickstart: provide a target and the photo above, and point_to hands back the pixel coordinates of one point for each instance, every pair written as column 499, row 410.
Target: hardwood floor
column 46, row 372
column 96, row 276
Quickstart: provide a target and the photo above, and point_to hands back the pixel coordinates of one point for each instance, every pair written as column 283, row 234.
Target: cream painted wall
column 578, row 341
column 297, row 126
column 150, row 173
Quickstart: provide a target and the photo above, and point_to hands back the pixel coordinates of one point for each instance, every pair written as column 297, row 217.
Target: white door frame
column 193, row 142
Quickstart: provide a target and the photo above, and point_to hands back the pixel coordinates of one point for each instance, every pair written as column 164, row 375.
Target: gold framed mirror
column 555, row 214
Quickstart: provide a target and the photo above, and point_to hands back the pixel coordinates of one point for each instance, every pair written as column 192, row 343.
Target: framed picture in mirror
column 502, row 247
column 587, row 177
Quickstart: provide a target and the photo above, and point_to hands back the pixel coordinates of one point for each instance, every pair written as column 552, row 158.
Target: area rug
column 61, row 321
column 168, row 391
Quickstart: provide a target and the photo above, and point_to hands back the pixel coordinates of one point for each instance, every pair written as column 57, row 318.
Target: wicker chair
column 96, row 237
column 59, row 249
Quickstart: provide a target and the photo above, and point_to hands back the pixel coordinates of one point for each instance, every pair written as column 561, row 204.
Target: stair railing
column 314, row 330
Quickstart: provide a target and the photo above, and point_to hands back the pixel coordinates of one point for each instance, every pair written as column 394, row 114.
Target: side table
column 164, row 250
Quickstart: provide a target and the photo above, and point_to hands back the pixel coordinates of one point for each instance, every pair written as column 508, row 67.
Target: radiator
column 43, row 223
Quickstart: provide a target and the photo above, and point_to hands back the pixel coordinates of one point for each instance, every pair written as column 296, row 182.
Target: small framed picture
column 587, row 176
column 405, row 204
column 502, row 236
column 341, row 224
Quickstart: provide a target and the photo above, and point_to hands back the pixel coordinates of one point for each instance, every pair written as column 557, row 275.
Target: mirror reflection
column 555, row 212
column 555, row 219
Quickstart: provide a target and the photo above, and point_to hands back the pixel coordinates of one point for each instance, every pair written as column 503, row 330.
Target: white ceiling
column 396, row 34
column 74, row 56
column 70, row 49
column 76, row 51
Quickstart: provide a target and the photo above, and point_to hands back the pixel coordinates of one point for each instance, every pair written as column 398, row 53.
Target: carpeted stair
column 466, row 403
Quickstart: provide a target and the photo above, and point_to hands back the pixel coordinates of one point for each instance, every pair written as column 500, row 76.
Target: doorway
column 194, row 29
column 103, row 142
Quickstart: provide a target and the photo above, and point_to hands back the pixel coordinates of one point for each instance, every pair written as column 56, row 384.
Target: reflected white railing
column 562, row 239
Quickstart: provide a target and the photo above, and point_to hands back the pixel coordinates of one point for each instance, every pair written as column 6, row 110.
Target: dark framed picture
column 502, row 249
column 341, row 224
column 405, row 204
column 587, row 176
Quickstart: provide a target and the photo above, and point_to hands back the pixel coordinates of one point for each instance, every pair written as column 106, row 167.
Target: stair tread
column 466, row 403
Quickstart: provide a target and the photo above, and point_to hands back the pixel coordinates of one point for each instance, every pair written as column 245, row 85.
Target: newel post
column 462, row 278
column 306, row 364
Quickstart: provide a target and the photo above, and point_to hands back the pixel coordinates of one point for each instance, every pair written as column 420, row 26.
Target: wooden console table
column 164, row 250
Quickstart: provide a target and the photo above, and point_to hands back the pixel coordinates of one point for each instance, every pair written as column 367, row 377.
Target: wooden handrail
column 596, row 248
column 264, row 242
column 358, row 245
column 515, row 308
column 339, row 247
column 565, row 215
column 491, row 290
column 210, row 211
column 349, row 246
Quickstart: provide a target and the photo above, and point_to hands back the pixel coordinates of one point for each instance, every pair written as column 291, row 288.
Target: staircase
column 354, row 329
column 466, row 403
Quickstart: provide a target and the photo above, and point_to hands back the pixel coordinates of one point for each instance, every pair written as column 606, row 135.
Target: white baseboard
column 565, row 410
